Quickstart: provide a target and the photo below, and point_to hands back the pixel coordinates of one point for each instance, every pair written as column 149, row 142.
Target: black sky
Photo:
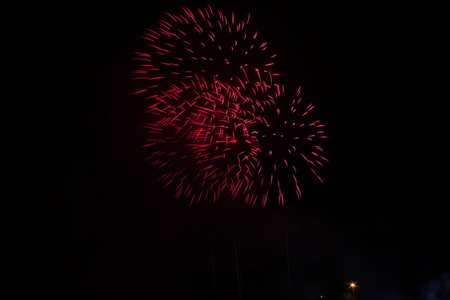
column 103, row 228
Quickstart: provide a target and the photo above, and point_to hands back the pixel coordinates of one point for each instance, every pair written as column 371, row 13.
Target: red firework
column 291, row 142
column 204, row 43
column 210, row 85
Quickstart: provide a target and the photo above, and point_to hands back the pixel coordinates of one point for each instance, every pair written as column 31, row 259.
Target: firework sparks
column 212, row 93
column 291, row 143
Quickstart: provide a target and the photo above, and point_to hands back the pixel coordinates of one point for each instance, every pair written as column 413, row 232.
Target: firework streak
column 214, row 121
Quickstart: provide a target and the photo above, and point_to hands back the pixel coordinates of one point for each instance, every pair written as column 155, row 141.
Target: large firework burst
column 215, row 126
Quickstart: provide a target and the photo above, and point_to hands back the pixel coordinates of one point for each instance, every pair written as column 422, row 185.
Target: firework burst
column 215, row 126
column 204, row 43
column 291, row 145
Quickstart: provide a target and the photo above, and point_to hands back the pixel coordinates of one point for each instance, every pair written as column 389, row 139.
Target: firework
column 205, row 43
column 291, row 146
column 213, row 110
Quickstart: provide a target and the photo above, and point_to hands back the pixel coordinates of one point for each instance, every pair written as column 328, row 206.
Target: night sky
column 102, row 227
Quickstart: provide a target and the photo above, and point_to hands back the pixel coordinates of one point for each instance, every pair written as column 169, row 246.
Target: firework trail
column 213, row 109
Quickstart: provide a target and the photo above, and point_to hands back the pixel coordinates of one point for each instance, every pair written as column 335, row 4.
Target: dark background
column 101, row 227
